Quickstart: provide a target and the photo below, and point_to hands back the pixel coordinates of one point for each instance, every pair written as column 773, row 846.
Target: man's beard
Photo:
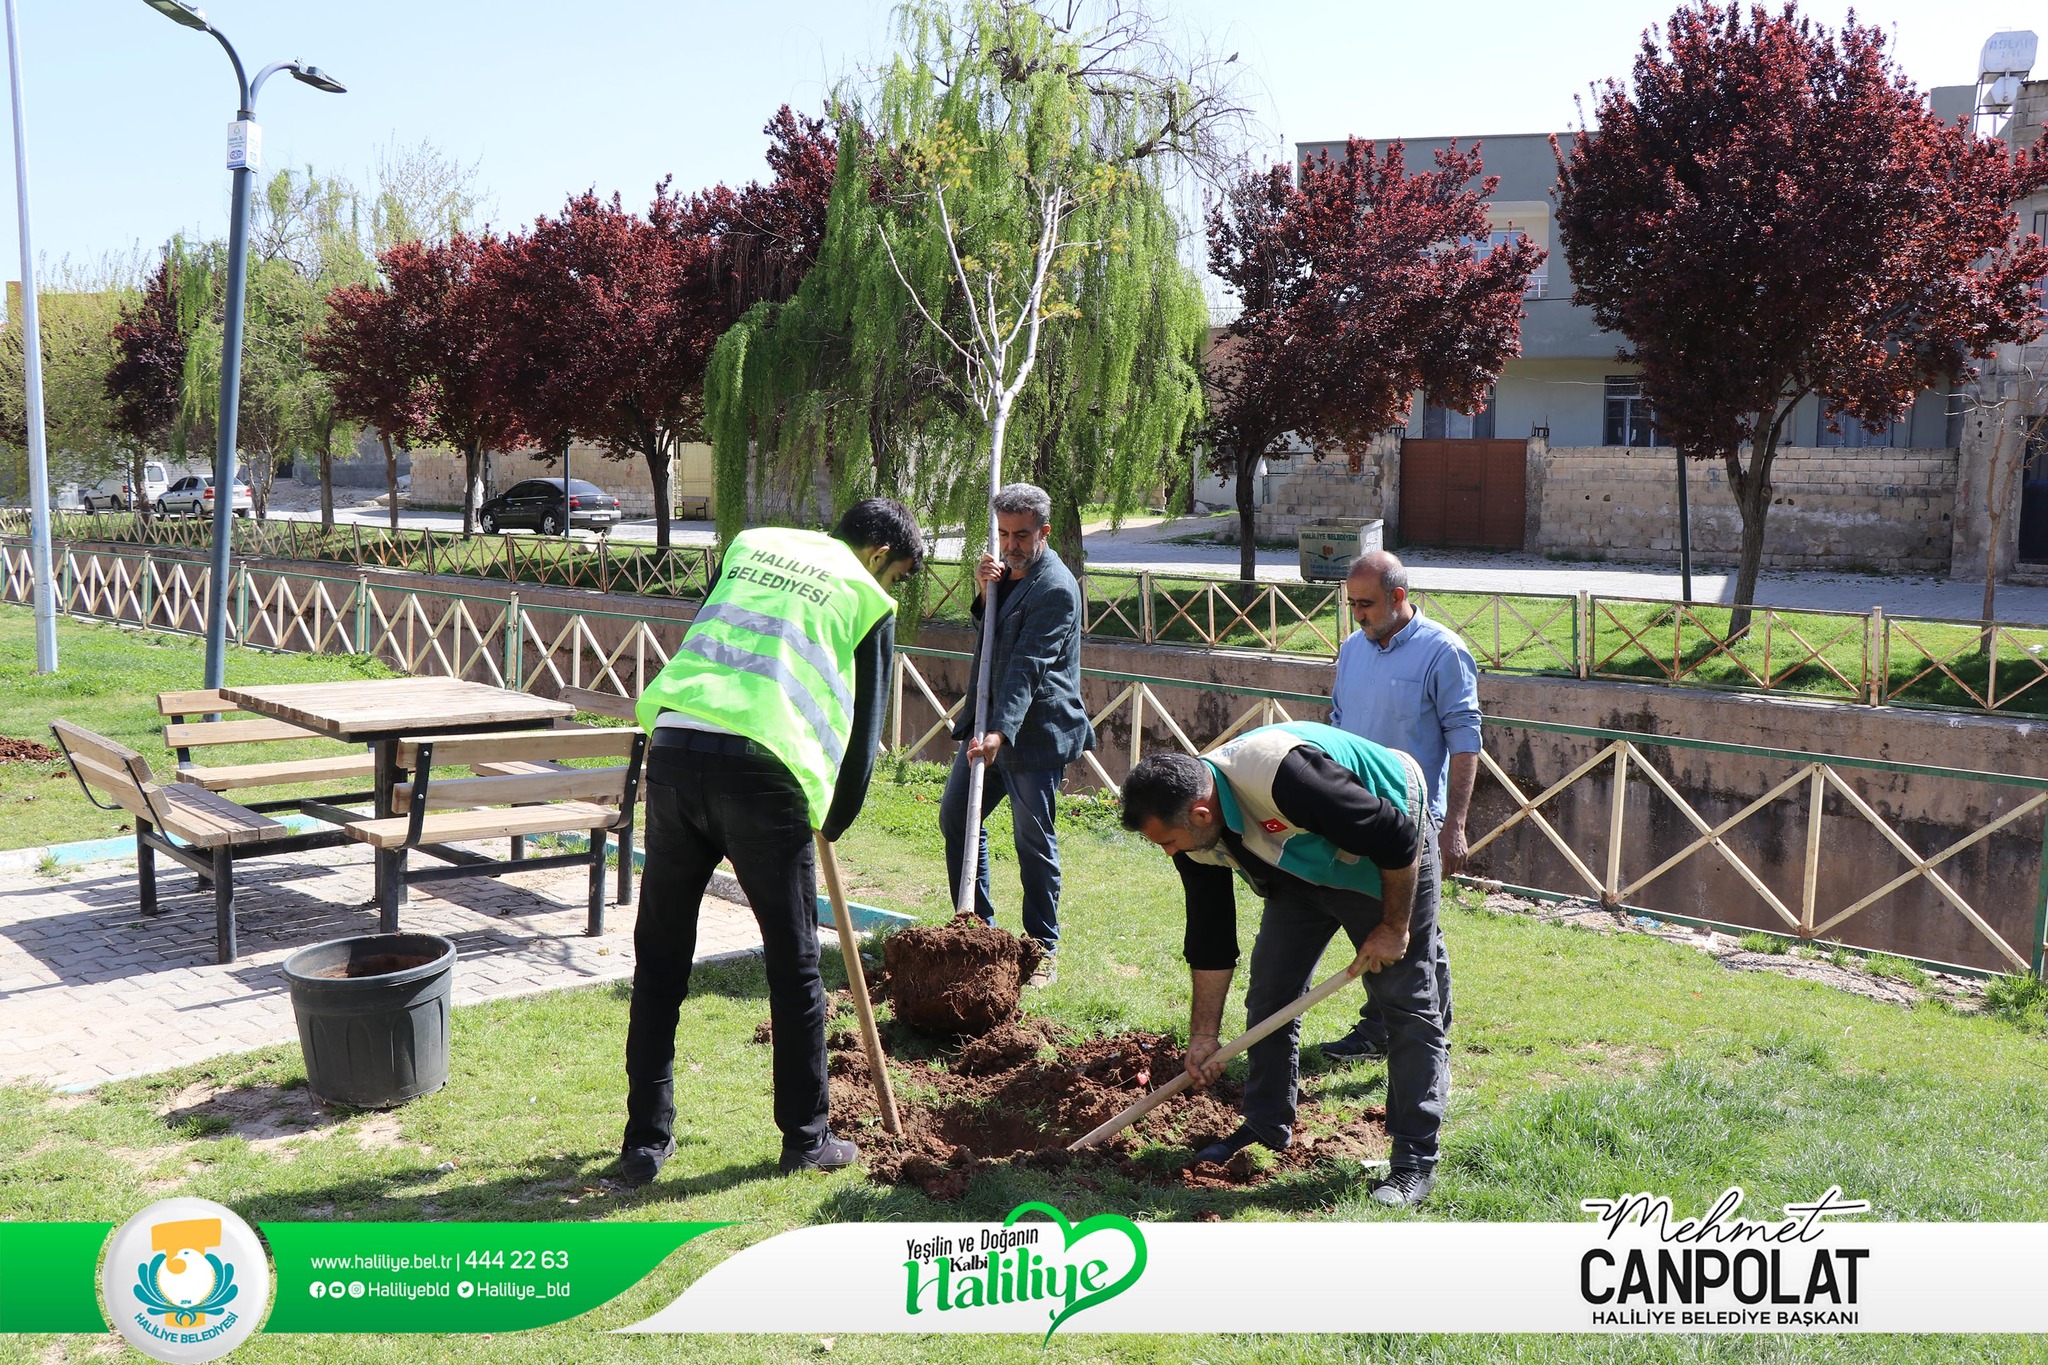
column 1018, row 562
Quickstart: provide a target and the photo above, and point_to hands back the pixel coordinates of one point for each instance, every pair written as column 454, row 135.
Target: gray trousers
column 1297, row 926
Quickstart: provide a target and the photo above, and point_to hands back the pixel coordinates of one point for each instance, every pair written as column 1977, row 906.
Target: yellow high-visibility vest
column 770, row 655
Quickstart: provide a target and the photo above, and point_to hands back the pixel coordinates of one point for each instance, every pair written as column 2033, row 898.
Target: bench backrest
column 529, row 746
column 614, row 784
column 181, row 736
column 599, row 703
column 104, row 766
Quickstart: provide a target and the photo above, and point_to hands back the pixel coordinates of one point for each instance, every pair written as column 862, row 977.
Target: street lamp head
column 311, row 75
column 191, row 16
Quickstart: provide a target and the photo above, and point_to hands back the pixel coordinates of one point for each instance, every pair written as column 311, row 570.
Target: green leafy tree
column 998, row 256
column 79, row 309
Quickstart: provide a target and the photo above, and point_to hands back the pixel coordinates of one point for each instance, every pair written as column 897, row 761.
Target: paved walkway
column 91, row 991
column 1154, row 547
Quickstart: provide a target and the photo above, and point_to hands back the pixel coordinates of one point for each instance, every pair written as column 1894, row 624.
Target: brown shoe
column 1045, row 973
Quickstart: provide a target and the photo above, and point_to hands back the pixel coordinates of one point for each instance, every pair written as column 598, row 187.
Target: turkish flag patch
column 1273, row 826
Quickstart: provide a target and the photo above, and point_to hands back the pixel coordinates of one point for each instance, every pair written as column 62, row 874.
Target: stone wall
column 1886, row 510
column 1300, row 491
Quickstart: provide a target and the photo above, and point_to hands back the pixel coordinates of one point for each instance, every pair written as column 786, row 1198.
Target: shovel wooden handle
column 857, row 982
column 1257, row 1031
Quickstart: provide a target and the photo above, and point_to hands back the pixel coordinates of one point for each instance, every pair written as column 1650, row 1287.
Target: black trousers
column 708, row 798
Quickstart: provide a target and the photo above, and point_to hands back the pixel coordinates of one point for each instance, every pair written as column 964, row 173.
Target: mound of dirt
column 14, row 750
column 959, row 978
column 1021, row 1093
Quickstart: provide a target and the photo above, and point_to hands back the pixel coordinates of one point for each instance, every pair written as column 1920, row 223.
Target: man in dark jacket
column 1036, row 722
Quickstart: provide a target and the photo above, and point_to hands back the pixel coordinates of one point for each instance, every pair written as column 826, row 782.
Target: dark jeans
column 1297, row 926
column 1032, row 805
column 1373, row 1025
column 703, row 806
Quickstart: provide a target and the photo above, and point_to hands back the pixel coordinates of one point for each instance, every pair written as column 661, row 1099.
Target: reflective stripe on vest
column 731, row 656
column 790, row 634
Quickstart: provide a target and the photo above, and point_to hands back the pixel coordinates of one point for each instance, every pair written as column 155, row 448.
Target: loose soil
column 958, row 979
column 14, row 750
column 377, row 964
column 1019, row 1094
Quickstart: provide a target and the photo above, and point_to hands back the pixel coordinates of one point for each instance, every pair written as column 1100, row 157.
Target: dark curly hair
column 883, row 521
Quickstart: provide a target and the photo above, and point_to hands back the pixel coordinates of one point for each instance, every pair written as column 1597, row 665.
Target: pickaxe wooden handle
column 857, row 982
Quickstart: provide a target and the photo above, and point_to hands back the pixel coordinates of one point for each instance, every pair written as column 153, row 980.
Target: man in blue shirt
column 1407, row 683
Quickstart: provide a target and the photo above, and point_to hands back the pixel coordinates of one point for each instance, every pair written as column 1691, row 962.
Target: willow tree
column 999, row 256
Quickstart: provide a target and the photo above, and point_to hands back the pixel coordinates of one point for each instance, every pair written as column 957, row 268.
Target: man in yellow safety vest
column 764, row 728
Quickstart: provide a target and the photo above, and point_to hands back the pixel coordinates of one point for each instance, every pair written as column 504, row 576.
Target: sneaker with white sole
column 1365, row 1043
column 1404, row 1187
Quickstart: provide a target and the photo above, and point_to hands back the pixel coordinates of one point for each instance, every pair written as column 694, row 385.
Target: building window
column 1440, row 424
column 1855, row 436
column 2041, row 224
column 1628, row 414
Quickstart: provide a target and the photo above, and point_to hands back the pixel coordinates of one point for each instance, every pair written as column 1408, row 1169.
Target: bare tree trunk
column 1247, row 517
column 1752, row 489
column 390, row 479
column 139, row 502
column 327, row 484
column 658, row 463
column 472, row 488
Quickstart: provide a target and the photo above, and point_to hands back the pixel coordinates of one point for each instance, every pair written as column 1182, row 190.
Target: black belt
column 707, row 742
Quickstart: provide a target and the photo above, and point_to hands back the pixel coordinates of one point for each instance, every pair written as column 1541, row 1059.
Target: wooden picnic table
column 382, row 712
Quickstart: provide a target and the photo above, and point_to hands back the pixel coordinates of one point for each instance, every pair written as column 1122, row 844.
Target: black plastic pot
column 373, row 1016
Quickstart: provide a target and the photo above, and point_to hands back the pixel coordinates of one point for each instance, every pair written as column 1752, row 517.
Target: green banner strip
column 49, row 1277
column 457, row 1277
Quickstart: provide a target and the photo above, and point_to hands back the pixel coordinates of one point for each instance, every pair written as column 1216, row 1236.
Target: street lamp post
column 244, row 157
column 45, row 589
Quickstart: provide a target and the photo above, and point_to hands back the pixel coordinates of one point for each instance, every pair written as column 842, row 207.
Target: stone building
column 1566, row 459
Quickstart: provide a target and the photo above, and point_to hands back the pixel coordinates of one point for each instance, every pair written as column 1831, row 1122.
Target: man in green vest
column 1329, row 830
column 764, row 728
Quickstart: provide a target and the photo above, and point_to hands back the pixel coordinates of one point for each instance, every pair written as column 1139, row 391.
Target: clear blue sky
column 127, row 112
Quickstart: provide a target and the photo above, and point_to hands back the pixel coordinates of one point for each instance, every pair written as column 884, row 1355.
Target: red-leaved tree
column 1768, row 210
column 368, row 353
column 1360, row 286
column 146, row 380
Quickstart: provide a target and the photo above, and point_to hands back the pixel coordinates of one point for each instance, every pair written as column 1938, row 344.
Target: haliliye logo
column 185, row 1280
column 1020, row 1265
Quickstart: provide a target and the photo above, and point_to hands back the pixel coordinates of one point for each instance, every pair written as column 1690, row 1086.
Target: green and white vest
column 1245, row 769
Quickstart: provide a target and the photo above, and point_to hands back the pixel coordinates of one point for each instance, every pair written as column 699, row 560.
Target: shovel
column 857, row 983
column 1269, row 1024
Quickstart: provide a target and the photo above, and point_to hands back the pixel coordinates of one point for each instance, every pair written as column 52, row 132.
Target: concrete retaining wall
column 1999, row 875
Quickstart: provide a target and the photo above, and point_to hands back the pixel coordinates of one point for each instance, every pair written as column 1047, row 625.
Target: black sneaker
column 1363, row 1044
column 833, row 1154
column 1404, row 1187
column 639, row 1165
column 1222, row 1149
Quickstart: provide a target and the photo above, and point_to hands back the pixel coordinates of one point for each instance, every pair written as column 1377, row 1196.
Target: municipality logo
column 1086, row 1264
column 185, row 1280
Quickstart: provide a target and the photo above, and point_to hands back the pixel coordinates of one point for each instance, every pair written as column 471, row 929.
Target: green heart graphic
column 1101, row 1222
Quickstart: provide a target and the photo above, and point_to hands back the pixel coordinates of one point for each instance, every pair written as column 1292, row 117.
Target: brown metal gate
column 1469, row 494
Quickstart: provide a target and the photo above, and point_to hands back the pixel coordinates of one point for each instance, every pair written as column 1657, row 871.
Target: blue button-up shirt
column 1419, row 693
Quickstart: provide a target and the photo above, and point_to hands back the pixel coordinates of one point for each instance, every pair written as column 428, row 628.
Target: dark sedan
column 539, row 505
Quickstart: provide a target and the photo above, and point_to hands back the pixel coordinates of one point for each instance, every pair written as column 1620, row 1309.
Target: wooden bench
column 213, row 832
column 182, row 735
column 521, row 790
column 599, row 704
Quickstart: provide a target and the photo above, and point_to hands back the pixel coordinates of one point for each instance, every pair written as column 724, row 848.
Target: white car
column 193, row 496
column 118, row 493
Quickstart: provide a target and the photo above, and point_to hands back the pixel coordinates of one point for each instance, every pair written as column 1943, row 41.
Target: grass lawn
column 107, row 680
column 1582, row 1065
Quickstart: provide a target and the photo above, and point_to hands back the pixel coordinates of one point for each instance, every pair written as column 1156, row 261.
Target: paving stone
column 90, row 991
